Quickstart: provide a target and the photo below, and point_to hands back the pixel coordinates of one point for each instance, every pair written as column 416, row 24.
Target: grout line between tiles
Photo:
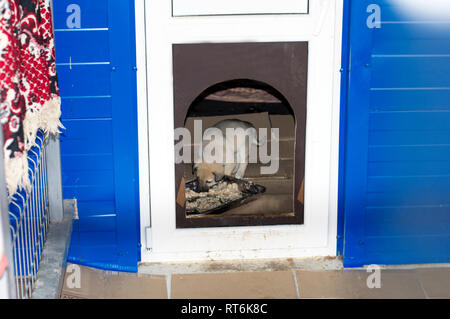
column 421, row 287
column 169, row 285
column 297, row 289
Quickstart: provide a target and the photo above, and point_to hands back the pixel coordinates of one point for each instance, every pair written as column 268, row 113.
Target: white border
column 317, row 237
column 227, row 7
column 144, row 180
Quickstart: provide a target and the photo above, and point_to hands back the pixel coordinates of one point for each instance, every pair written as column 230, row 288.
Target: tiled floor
column 241, row 282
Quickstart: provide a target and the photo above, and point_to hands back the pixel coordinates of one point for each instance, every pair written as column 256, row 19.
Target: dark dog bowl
column 249, row 191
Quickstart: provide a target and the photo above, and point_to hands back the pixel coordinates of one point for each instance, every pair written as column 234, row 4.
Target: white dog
column 209, row 173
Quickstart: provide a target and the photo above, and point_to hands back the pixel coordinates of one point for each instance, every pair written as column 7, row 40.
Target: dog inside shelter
column 244, row 95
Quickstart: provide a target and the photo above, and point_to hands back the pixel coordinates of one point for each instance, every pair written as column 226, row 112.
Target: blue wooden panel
column 416, row 47
column 97, row 81
column 99, row 208
column 406, row 198
column 89, row 192
column 410, row 72
column 418, row 185
column 408, row 31
column 123, row 82
column 89, row 177
column 343, row 127
column 75, row 161
column 86, row 107
column 408, row 168
column 409, row 137
column 356, row 152
column 87, row 136
column 410, row 100
column 397, row 155
column 407, row 221
column 415, row 154
column 84, row 80
column 407, row 249
column 82, row 46
column 97, row 248
column 93, row 14
column 423, row 121
column 99, row 223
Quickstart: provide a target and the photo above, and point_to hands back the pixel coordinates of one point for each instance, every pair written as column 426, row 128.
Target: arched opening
column 264, row 84
column 265, row 108
column 240, row 96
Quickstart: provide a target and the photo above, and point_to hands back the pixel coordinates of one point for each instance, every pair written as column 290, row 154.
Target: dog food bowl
column 249, row 192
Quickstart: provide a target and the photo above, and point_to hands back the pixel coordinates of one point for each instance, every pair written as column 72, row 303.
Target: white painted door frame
column 156, row 31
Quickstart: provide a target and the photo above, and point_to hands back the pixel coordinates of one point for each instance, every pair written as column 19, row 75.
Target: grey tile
column 435, row 282
column 126, row 286
column 91, row 284
column 100, row 284
column 329, row 284
column 240, row 285
column 352, row 284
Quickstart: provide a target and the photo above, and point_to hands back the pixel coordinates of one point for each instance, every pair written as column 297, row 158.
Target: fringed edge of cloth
column 16, row 174
column 47, row 119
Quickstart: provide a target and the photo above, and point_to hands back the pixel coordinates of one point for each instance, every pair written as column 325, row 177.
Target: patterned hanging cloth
column 29, row 95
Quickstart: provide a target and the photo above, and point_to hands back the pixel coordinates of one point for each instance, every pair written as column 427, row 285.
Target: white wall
column 317, row 237
column 4, row 291
column 4, row 277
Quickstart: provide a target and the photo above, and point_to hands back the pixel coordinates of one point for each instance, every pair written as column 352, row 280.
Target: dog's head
column 207, row 174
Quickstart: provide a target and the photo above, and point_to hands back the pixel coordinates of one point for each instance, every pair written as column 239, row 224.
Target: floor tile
column 132, row 286
column 329, row 284
column 241, row 285
column 100, row 284
column 395, row 284
column 435, row 282
column 353, row 284
column 84, row 282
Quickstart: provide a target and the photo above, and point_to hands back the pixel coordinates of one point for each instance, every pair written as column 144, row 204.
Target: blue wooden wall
column 396, row 200
column 97, row 78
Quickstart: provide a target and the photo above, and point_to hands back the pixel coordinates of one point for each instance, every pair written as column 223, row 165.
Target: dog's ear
column 218, row 176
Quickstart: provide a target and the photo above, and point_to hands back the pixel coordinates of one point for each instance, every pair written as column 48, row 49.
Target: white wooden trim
column 335, row 123
column 317, row 237
column 144, row 181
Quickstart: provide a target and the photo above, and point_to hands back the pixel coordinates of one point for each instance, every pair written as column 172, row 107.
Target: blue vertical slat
column 343, row 124
column 86, row 145
column 124, row 113
column 356, row 152
column 99, row 146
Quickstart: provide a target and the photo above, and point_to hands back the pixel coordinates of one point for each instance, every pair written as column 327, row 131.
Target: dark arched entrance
column 256, row 82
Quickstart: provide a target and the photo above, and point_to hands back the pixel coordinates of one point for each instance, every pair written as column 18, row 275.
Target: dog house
column 275, row 65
